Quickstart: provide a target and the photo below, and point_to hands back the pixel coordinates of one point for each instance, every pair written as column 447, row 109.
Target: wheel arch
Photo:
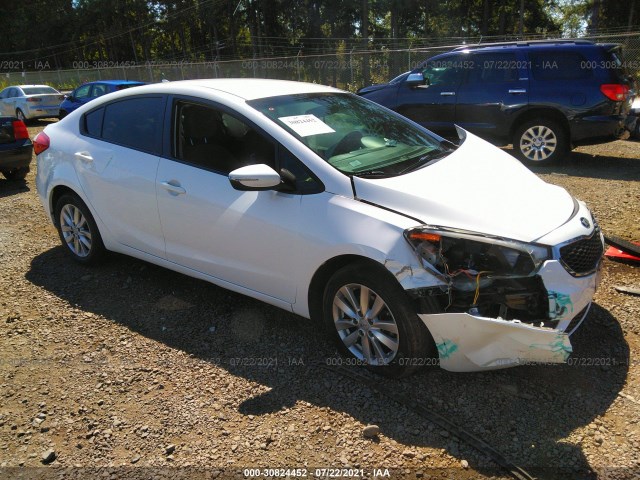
column 57, row 192
column 541, row 112
column 326, row 271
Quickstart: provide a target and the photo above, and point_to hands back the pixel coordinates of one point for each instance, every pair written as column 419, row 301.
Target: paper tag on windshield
column 305, row 125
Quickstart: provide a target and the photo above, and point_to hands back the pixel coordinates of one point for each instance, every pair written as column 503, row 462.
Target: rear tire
column 374, row 322
column 540, row 142
column 78, row 230
column 16, row 174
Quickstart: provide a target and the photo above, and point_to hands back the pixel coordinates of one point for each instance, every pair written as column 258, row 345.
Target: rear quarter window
column 93, row 122
column 559, row 65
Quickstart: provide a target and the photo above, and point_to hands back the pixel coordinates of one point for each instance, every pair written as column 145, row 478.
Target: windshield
column 354, row 135
column 39, row 90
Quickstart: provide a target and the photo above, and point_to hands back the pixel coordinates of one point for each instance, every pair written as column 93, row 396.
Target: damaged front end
column 505, row 302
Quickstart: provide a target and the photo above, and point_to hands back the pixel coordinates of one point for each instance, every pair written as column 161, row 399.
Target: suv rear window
column 554, row 65
column 494, row 68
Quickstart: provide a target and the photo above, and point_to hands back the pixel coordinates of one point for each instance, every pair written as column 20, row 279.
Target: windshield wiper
column 424, row 161
column 372, row 174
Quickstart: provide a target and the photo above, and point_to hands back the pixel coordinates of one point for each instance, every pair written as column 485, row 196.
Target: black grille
column 582, row 256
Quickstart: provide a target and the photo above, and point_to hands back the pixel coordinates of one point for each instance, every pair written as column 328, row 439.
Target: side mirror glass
column 415, row 79
column 254, row 177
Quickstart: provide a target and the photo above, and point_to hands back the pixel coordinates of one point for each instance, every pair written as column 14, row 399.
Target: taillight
column 40, row 143
column 61, row 97
column 20, row 131
column 34, row 99
column 615, row 91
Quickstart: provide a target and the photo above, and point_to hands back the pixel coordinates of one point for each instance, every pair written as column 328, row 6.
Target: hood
column 372, row 88
column 479, row 188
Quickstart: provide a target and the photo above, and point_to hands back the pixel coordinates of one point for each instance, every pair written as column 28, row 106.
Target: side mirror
column 415, row 80
column 254, row 178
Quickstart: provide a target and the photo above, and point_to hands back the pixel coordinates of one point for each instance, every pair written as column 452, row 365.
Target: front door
column 245, row 238
column 433, row 105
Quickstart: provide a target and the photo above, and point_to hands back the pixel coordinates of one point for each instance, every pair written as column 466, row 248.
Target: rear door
column 433, row 105
column 494, row 90
column 563, row 79
column 117, row 159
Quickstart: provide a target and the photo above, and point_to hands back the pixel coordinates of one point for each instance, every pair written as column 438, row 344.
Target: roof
column 253, row 88
column 534, row 44
column 116, row 82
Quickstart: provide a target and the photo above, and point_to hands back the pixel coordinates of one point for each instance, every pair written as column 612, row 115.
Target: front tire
column 374, row 321
column 78, row 230
column 540, row 142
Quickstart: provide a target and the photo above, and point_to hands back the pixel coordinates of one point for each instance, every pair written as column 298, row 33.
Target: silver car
column 28, row 102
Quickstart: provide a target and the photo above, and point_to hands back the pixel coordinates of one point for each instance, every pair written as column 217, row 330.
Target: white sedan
column 410, row 249
column 29, row 102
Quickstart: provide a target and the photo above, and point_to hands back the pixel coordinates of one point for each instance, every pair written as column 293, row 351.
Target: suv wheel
column 540, row 142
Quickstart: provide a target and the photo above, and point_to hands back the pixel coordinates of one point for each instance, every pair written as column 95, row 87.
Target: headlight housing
column 449, row 251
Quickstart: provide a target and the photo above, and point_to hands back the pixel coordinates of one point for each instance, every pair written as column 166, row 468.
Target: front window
column 355, row 136
column 82, row 92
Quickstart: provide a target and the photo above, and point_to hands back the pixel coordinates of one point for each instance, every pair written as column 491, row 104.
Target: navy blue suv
column 544, row 97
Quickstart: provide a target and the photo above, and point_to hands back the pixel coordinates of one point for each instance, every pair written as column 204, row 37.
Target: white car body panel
column 246, row 238
column 469, row 343
column 475, row 188
column 269, row 244
column 121, row 185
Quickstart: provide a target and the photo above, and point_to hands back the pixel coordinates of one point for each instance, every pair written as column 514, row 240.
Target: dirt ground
column 129, row 370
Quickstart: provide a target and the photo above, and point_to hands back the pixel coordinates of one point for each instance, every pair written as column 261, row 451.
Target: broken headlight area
column 487, row 276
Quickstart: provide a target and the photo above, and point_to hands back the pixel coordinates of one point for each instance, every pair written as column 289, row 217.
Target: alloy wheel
column 538, row 143
column 75, row 230
column 365, row 324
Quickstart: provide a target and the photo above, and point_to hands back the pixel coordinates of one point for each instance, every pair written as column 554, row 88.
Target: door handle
column 517, row 90
column 172, row 188
column 447, row 94
column 84, row 156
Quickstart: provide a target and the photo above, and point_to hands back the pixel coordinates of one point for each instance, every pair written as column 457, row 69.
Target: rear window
column 558, row 65
column 617, row 65
column 134, row 122
column 494, row 68
column 39, row 90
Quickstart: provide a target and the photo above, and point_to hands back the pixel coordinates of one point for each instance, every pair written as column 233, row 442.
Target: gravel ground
column 132, row 371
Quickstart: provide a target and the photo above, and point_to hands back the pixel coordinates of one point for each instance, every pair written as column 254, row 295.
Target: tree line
column 65, row 32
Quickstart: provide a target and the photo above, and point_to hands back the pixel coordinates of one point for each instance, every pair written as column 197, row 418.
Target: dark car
column 15, row 148
column 88, row 91
column 544, row 97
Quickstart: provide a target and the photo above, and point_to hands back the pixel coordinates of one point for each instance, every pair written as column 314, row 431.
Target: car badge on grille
column 585, row 223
